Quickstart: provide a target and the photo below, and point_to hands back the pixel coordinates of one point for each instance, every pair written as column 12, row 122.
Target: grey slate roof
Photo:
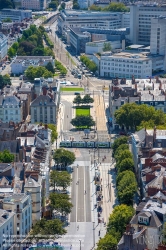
column 12, row 146
column 30, row 182
column 11, row 100
column 43, row 100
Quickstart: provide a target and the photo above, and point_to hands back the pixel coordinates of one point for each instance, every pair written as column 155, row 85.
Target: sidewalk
column 99, row 114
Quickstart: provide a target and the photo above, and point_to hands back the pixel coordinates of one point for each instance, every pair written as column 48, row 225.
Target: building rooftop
column 4, row 216
column 43, row 100
column 15, row 198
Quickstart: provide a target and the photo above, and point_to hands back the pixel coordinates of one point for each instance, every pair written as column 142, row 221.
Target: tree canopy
column 121, row 148
column 138, row 116
column 83, row 121
column 113, row 7
column 54, row 134
column 61, row 203
column 125, row 164
column 60, row 67
column 107, row 47
column 60, row 179
column 85, row 100
column 40, row 71
column 47, row 228
column 89, row 63
column 63, row 156
column 119, row 218
column 6, row 156
column 109, row 242
column 126, row 187
column 76, row 5
column 117, row 142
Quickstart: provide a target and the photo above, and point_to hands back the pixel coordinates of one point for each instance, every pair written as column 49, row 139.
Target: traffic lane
column 80, row 207
column 87, row 196
column 73, row 195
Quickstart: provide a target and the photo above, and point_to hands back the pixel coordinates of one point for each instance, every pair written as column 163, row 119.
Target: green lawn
column 83, row 111
column 71, row 89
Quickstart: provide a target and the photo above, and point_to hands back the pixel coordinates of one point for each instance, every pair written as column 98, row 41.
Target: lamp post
column 80, row 244
column 94, row 234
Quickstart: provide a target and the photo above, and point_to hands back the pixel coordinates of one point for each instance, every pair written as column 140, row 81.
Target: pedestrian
column 70, row 247
column 77, row 227
column 99, row 232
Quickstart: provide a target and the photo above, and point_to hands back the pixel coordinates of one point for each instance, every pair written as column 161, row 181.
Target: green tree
column 117, row 142
column 61, row 203
column 27, row 48
column 87, row 99
column 109, row 242
column 127, row 186
column 38, row 51
column 11, row 52
column 119, row 218
column 77, row 100
column 164, row 233
column 63, row 156
column 60, row 179
column 63, row 5
column 6, row 4
column 6, row 156
column 4, row 80
column 89, row 63
column 116, row 7
column 45, row 229
column 95, row 8
column 122, row 155
column 125, row 164
column 54, row 134
column 83, row 121
column 53, row 5
column 121, row 148
column 76, row 5
column 107, row 47
column 50, row 67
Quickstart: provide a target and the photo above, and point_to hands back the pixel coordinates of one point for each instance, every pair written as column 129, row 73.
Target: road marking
column 76, row 194
column 84, row 198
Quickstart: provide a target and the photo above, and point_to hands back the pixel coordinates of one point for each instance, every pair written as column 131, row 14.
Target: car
column 122, row 132
column 77, row 93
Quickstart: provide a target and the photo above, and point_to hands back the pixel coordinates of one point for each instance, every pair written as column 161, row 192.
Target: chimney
column 44, row 91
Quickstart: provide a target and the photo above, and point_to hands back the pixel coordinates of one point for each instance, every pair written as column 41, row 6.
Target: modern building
column 103, row 20
column 21, row 205
column 125, row 64
column 15, row 15
column 10, row 109
column 3, row 46
column 43, row 109
column 97, row 47
column 33, row 4
column 6, row 228
column 21, row 63
column 158, row 35
column 140, row 21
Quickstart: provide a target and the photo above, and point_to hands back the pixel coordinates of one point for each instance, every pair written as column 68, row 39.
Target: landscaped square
column 83, row 111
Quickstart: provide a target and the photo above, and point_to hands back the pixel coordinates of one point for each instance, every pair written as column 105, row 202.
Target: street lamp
column 80, row 244
column 94, row 234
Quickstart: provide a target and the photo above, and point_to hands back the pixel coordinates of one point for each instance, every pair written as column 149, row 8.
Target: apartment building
column 6, row 228
column 20, row 204
column 15, row 15
column 79, row 18
column 43, row 109
column 21, row 63
column 33, row 4
column 3, row 46
column 140, row 21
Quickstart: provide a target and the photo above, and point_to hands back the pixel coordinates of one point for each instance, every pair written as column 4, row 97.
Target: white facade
column 140, row 21
column 11, row 109
column 21, row 63
column 158, row 36
column 15, row 15
column 3, row 46
column 97, row 47
column 6, row 228
column 20, row 204
column 124, row 65
column 77, row 19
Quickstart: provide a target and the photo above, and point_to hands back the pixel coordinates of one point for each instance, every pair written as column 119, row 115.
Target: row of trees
column 31, row 44
column 138, row 116
column 48, row 41
column 54, row 133
column 126, row 182
column 4, row 80
column 85, row 100
column 113, row 7
column 59, row 67
column 118, row 221
column 89, row 63
column 37, row 72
